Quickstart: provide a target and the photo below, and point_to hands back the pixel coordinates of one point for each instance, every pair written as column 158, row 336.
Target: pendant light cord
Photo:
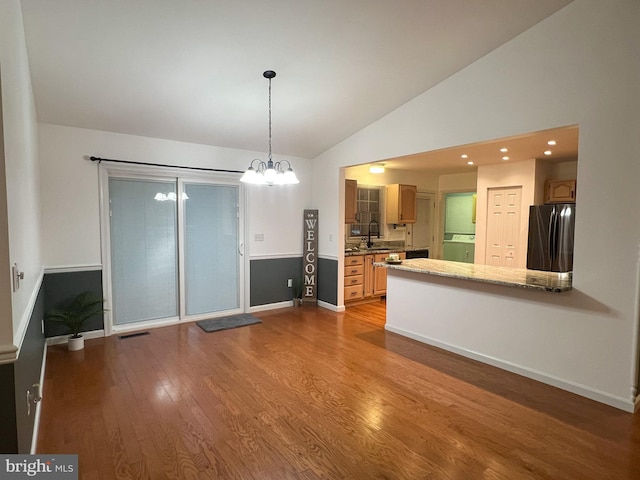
column 269, row 120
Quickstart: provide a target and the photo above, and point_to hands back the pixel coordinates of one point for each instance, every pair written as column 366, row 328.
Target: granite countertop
column 373, row 251
column 514, row 277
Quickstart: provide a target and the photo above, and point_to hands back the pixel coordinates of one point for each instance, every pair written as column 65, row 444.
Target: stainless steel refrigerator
column 551, row 230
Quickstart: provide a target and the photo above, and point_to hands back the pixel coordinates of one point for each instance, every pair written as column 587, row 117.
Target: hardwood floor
column 311, row 394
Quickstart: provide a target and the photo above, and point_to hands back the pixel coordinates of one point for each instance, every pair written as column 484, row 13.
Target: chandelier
column 269, row 173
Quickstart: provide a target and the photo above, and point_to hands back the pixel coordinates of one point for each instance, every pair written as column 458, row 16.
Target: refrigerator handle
column 553, row 235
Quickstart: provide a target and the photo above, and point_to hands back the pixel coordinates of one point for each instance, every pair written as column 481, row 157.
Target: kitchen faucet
column 369, row 242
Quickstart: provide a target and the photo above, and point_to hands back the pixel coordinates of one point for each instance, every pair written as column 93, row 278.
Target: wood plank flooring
column 311, row 394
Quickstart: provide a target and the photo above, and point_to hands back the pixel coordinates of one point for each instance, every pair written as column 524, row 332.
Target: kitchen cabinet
column 354, row 278
column 363, row 280
column 350, row 201
column 379, row 274
column 560, row 191
column 401, row 203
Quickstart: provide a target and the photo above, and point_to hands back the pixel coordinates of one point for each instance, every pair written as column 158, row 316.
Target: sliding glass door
column 174, row 249
column 211, row 254
column 144, row 255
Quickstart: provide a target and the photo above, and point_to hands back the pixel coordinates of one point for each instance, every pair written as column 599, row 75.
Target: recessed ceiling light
column 464, row 155
column 376, row 168
column 548, row 152
column 469, row 163
column 504, row 150
column 505, row 158
column 551, row 142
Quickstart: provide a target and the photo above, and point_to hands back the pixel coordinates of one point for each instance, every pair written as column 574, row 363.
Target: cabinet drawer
column 354, row 260
column 353, row 270
column 353, row 293
column 354, row 280
column 380, row 257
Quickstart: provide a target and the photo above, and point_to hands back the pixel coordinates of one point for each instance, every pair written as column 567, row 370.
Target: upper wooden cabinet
column 560, row 191
column 401, row 203
column 350, row 201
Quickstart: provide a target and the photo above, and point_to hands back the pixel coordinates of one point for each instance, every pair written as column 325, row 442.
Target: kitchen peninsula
column 496, row 315
column 516, row 277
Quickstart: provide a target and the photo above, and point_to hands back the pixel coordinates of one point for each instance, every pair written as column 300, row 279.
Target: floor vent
column 131, row 335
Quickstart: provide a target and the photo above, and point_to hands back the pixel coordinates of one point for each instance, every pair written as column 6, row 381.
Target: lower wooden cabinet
column 379, row 274
column 363, row 280
column 354, row 278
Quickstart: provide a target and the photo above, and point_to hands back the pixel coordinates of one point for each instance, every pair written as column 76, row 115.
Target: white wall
column 578, row 66
column 458, row 182
column 70, row 194
column 22, row 176
column 424, row 181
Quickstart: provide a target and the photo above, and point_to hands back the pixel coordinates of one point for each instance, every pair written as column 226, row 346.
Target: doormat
column 225, row 323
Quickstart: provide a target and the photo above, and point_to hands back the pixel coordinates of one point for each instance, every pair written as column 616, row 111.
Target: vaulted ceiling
column 191, row 70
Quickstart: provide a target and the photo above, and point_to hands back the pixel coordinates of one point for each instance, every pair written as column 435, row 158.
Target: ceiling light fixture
column 504, row 150
column 505, row 158
column 269, row 173
column 464, row 155
column 469, row 162
column 376, row 168
column 548, row 152
column 551, row 142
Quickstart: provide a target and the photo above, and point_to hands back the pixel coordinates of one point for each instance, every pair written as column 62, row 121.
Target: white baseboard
column 270, row 306
column 289, row 303
column 331, row 306
column 59, row 340
column 36, row 419
column 582, row 390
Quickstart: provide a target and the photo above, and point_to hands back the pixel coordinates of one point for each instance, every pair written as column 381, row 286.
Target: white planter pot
column 76, row 343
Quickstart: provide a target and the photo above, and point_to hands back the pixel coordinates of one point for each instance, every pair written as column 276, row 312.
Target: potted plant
column 297, row 293
column 84, row 306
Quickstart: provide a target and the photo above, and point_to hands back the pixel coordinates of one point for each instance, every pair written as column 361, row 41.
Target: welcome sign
column 310, row 257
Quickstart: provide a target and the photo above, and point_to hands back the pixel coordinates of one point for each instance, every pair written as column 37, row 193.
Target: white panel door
column 421, row 232
column 504, row 208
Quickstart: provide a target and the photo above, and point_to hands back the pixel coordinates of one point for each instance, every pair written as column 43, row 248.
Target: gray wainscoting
column 16, row 422
column 61, row 287
column 8, row 427
column 269, row 280
column 328, row 280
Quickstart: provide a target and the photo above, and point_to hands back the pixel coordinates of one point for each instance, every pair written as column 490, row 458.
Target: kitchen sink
column 378, row 249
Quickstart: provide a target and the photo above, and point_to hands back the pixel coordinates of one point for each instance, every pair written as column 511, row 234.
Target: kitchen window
column 369, row 209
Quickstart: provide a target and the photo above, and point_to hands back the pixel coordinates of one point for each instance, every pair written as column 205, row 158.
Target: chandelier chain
column 269, row 119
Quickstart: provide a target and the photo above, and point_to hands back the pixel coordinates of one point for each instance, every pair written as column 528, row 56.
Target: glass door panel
column 211, row 257
column 144, row 260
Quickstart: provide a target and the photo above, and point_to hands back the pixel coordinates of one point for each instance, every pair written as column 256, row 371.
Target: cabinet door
column 350, row 201
column 560, row 191
column 368, row 275
column 401, row 203
column 408, row 199
column 380, row 276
